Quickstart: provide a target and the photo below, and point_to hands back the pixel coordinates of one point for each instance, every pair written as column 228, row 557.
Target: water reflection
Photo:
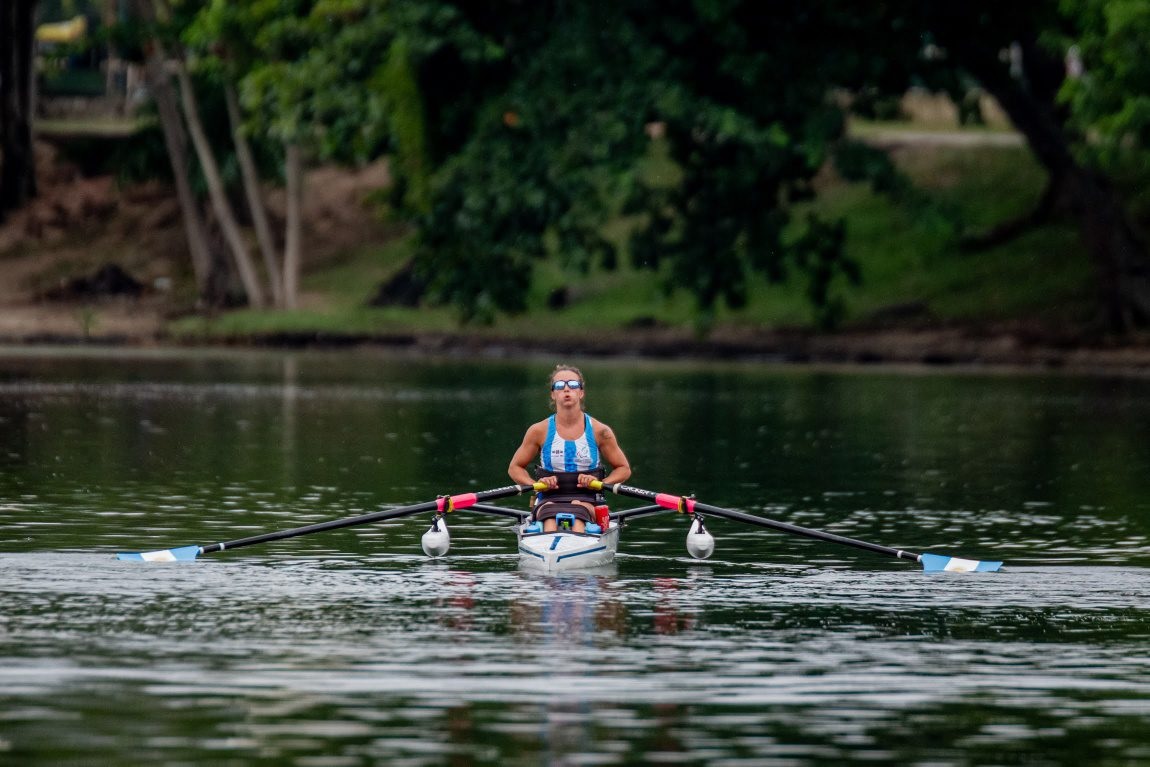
column 521, row 668
column 562, row 611
column 350, row 647
column 563, row 618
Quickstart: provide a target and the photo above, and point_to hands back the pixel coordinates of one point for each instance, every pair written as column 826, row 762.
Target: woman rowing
column 571, row 448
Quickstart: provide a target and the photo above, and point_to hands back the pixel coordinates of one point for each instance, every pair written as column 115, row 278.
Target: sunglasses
column 572, row 384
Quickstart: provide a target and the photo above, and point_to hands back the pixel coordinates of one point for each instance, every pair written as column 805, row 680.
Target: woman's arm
column 528, row 451
column 611, row 453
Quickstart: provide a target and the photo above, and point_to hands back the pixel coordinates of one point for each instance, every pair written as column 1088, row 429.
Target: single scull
column 565, row 549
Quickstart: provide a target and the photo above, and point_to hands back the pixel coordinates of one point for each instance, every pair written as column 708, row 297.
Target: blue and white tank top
column 558, row 454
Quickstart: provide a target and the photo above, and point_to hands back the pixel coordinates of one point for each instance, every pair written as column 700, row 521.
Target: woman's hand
column 551, row 482
column 585, row 480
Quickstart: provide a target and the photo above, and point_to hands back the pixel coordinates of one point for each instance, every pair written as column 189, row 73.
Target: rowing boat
column 566, row 549
column 552, row 551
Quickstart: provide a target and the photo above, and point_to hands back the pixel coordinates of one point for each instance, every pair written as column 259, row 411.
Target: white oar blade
column 937, row 563
column 182, row 554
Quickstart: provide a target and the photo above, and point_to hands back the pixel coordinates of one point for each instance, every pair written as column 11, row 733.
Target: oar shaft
column 805, row 531
column 689, row 506
column 444, row 504
column 319, row 527
column 499, row 511
column 641, row 511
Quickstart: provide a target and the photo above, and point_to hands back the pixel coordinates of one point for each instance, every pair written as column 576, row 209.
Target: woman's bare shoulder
column 602, row 430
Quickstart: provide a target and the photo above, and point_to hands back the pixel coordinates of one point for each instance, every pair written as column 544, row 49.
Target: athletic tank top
column 558, row 454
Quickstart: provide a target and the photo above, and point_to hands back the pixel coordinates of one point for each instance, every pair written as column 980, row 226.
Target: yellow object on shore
column 63, row 31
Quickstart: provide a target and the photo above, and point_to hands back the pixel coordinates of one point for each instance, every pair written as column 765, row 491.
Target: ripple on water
column 345, row 649
column 351, row 648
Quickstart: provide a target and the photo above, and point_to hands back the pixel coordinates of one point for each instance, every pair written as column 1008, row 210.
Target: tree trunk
column 209, row 269
column 176, row 141
column 1120, row 257
column 17, row 84
column 255, row 201
column 222, row 207
column 293, row 240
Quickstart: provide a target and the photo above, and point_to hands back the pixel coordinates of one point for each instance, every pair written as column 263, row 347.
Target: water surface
column 351, row 647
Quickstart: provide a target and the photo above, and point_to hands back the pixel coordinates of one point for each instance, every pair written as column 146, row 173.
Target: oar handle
column 690, row 506
column 443, row 505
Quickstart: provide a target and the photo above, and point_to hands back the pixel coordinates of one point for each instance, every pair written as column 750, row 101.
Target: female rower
column 571, row 448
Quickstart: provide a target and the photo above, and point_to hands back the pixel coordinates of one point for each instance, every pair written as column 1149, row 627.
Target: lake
column 351, row 647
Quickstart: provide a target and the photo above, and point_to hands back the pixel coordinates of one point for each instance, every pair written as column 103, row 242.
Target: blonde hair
column 551, row 380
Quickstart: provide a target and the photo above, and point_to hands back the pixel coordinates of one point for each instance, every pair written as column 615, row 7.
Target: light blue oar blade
column 937, row 563
column 182, row 554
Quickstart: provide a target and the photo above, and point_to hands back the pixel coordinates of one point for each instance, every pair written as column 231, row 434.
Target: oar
column 499, row 511
column 444, row 505
column 641, row 511
column 930, row 562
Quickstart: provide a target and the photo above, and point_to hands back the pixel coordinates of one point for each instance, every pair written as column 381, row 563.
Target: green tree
column 536, row 119
column 221, row 34
column 310, row 84
column 1107, row 90
column 539, row 116
column 518, row 129
column 159, row 24
column 974, row 37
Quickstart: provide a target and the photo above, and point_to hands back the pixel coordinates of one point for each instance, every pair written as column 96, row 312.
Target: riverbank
column 922, row 301
column 140, row 324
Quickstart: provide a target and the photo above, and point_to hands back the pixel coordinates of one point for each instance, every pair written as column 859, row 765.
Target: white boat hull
column 565, row 550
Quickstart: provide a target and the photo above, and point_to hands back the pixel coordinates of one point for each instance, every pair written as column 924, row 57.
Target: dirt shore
column 125, row 323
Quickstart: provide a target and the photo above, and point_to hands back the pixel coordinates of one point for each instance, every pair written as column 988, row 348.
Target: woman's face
column 566, row 395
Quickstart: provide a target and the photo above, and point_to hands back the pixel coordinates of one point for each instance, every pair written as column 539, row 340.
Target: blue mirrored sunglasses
column 573, row 384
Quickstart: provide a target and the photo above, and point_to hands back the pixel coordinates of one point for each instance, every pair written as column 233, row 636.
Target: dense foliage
column 541, row 125
column 1108, row 90
column 519, row 129
column 541, row 120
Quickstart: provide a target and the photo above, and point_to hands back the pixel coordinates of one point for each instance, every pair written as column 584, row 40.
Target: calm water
column 351, row 648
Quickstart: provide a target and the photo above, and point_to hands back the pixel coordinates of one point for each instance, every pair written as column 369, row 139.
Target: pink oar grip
column 461, row 501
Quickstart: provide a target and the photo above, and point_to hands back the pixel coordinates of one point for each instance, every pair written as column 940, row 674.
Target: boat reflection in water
column 566, row 636
column 567, row 622
column 577, row 624
column 567, row 615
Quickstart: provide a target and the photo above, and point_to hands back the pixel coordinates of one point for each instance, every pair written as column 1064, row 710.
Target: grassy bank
column 913, row 268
